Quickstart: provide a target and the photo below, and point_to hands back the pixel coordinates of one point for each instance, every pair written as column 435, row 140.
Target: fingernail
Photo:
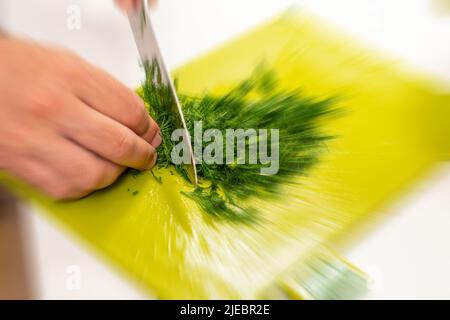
column 153, row 161
column 156, row 140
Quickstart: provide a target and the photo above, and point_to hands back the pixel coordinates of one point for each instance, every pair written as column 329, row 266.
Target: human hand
column 67, row 127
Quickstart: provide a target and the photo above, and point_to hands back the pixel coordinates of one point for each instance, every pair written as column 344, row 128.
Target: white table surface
column 407, row 255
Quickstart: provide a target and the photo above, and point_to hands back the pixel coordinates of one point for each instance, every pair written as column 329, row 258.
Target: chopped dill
column 254, row 103
column 133, row 172
column 157, row 178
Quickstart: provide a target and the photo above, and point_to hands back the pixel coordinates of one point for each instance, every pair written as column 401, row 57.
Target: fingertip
column 152, row 132
column 152, row 161
column 156, row 142
column 155, row 125
column 126, row 5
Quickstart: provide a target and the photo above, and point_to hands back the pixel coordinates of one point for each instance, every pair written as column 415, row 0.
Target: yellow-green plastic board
column 394, row 128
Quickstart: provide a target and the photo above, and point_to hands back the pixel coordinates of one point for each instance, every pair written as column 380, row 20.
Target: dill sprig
column 255, row 103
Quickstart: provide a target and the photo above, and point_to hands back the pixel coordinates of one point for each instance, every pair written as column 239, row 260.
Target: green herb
column 134, row 172
column 254, row 103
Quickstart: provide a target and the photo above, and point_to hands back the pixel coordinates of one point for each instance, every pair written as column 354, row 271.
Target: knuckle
column 124, row 145
column 44, row 103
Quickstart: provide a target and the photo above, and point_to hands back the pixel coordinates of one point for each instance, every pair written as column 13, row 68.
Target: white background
column 408, row 255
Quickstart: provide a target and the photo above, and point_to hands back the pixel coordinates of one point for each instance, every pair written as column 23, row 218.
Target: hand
column 127, row 5
column 67, row 127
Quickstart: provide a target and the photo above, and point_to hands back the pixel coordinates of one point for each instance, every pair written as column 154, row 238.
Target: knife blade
column 149, row 51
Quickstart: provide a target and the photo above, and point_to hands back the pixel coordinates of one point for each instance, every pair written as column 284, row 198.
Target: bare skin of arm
column 67, row 127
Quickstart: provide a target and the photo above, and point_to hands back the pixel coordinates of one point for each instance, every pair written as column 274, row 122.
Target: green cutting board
column 394, row 128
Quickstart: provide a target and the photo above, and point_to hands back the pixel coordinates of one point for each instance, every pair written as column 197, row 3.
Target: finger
column 153, row 135
column 108, row 96
column 43, row 178
column 103, row 136
column 81, row 171
column 126, row 5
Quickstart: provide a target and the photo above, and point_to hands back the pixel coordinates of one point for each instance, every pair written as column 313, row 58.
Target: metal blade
column 149, row 52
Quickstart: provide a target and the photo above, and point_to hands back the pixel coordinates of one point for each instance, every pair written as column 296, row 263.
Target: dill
column 254, row 103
